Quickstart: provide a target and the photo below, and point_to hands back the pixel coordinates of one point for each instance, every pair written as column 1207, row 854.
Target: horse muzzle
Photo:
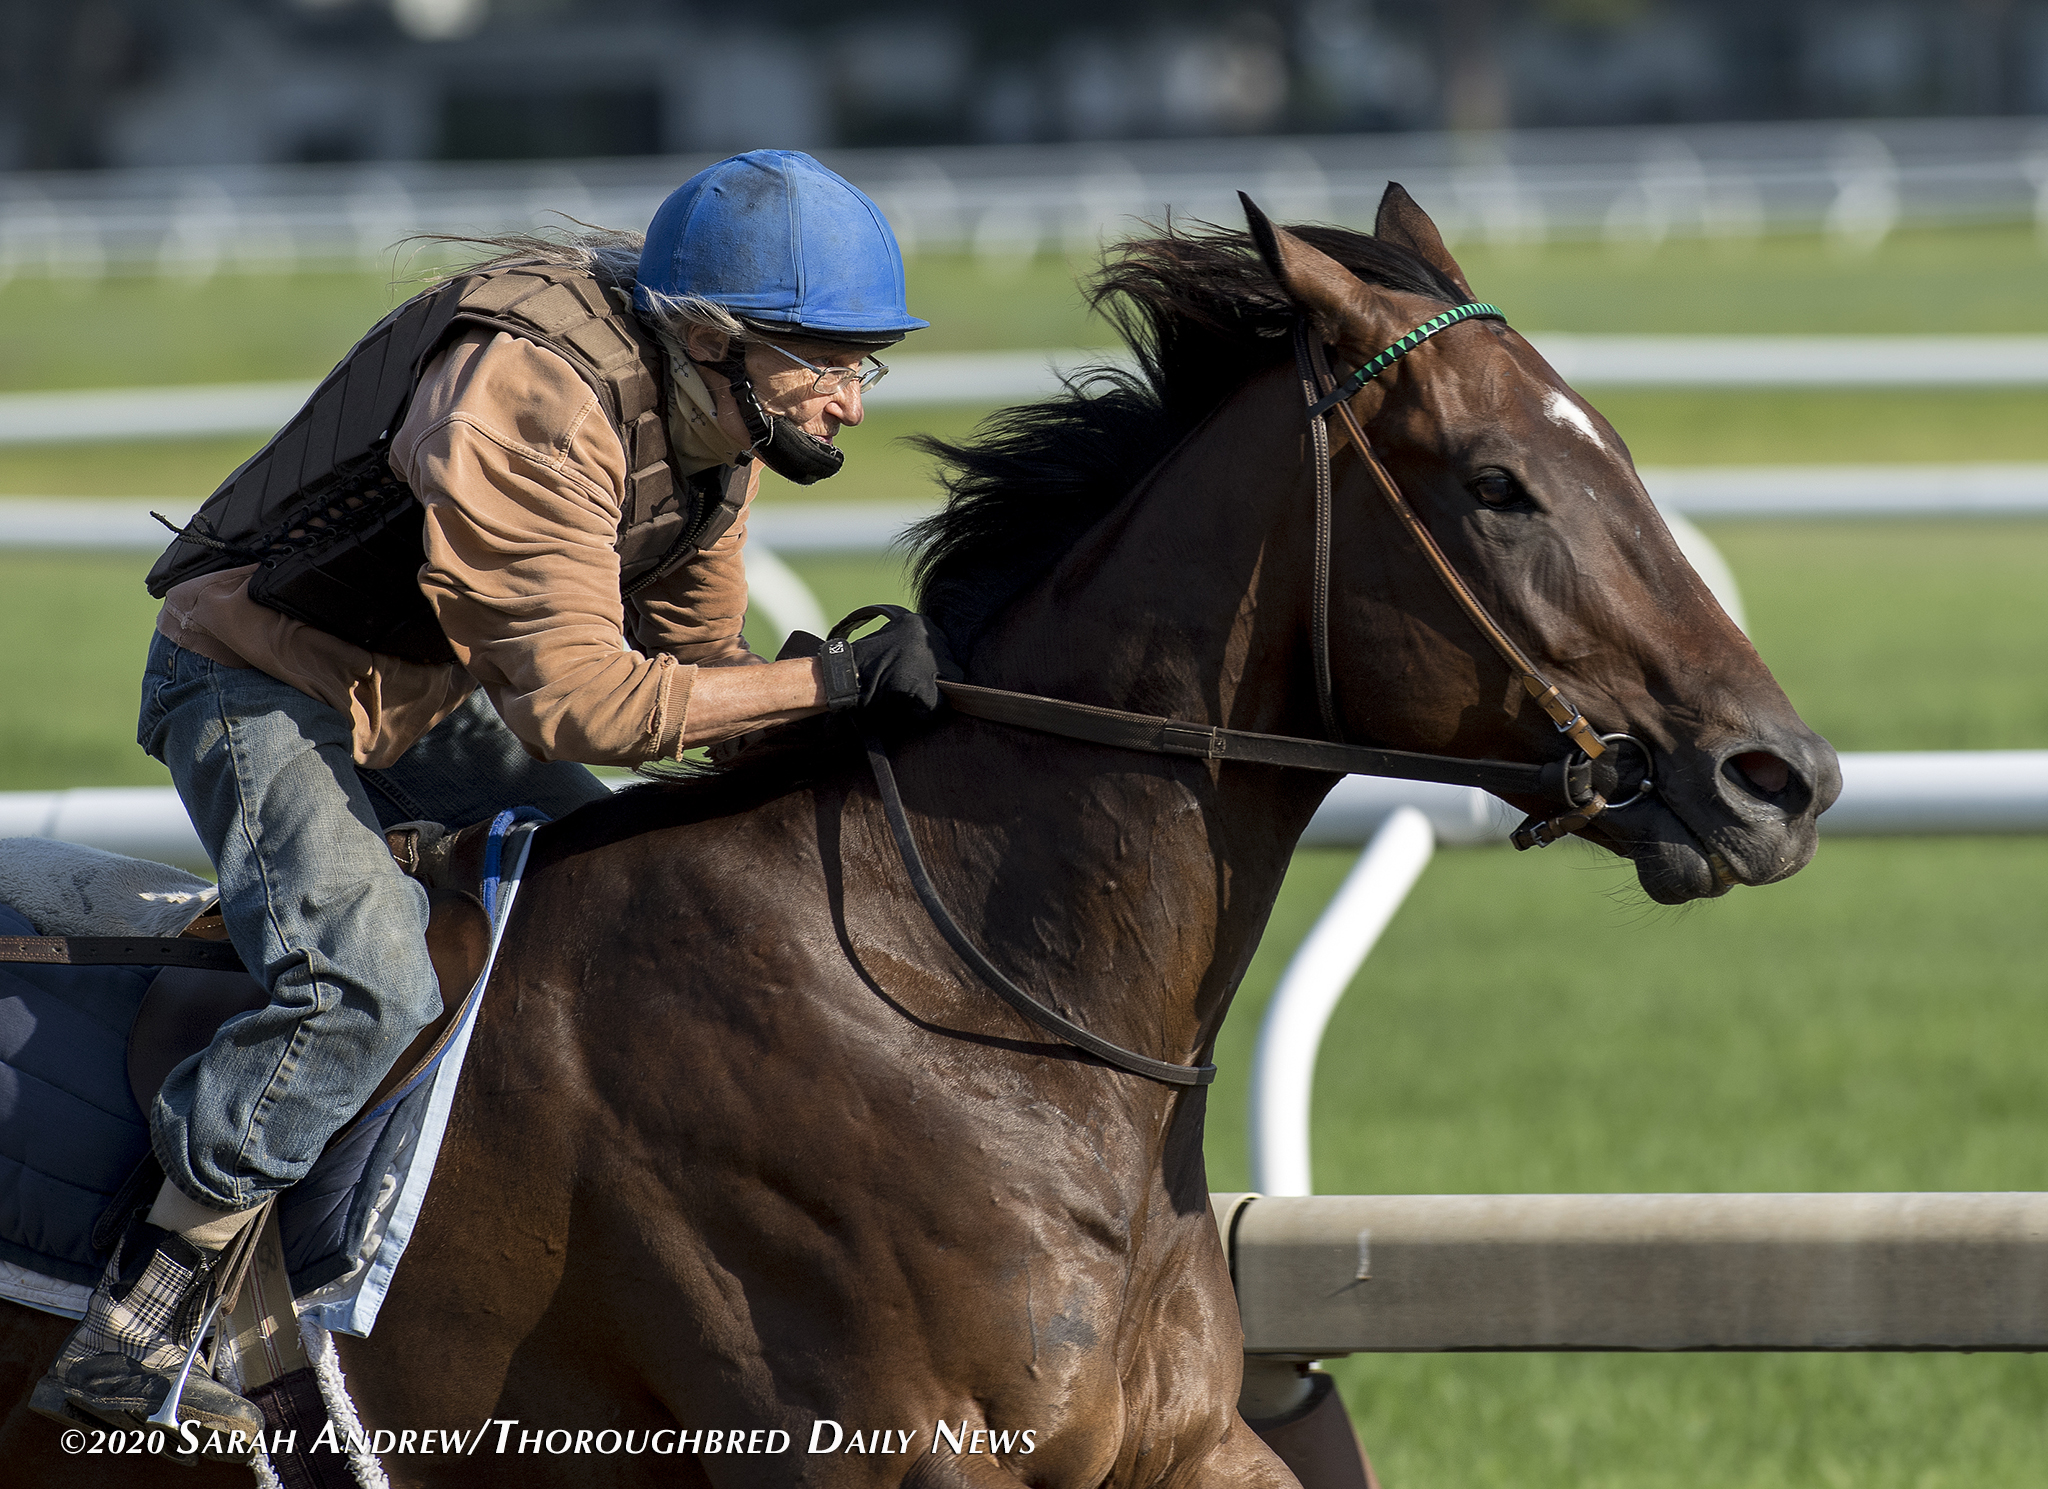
column 1744, row 811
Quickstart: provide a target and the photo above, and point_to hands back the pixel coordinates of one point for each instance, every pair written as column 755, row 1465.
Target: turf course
column 1528, row 1023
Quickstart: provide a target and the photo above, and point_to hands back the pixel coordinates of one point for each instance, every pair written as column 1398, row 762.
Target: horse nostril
column 1764, row 773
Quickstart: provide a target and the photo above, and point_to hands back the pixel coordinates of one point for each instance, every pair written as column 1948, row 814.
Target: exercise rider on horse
column 516, row 554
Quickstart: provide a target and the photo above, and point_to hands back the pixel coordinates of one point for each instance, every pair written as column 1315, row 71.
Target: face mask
column 790, row 452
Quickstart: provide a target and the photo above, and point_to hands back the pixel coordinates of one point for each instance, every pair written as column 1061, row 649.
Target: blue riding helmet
column 782, row 242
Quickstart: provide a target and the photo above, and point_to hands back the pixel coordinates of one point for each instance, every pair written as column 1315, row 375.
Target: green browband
column 1348, row 386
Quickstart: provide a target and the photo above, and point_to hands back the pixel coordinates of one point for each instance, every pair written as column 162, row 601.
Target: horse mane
column 1202, row 315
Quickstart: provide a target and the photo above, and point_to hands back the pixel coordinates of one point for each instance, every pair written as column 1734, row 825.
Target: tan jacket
column 522, row 480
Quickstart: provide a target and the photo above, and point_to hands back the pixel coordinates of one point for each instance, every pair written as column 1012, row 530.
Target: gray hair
column 676, row 314
column 611, row 256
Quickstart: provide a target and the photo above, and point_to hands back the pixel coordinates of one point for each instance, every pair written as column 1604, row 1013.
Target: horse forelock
column 1202, row 316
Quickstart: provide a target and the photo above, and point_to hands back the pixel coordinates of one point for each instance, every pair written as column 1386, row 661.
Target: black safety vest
column 336, row 534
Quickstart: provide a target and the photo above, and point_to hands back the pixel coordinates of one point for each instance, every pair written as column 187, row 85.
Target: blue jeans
column 314, row 903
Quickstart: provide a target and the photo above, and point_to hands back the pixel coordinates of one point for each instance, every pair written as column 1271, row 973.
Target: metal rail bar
column 1854, row 181
column 1284, row 1062
column 1913, row 795
column 991, row 378
column 115, row 523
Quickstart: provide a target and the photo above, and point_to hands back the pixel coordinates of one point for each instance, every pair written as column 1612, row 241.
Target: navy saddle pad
column 70, row 1132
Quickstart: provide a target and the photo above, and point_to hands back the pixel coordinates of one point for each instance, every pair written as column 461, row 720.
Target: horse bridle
column 1568, row 781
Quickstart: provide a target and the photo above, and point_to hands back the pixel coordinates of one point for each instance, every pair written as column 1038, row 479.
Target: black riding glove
column 896, row 671
column 901, row 665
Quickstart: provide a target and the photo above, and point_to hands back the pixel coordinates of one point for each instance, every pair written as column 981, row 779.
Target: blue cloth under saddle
column 70, row 1133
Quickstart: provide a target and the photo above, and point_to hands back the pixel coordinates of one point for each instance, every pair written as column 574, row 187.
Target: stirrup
column 166, row 1415
column 223, row 1286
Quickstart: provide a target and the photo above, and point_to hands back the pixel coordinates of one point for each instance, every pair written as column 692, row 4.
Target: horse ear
column 1401, row 221
column 1320, row 287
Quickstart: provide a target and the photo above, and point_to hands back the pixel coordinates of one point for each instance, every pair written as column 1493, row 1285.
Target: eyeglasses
column 832, row 380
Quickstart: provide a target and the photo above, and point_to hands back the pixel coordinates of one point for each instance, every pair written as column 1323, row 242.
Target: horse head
column 1535, row 501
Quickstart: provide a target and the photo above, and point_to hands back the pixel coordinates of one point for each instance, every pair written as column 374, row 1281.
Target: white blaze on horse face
column 1569, row 415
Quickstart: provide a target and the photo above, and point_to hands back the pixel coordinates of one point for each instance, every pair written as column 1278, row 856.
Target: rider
column 574, row 436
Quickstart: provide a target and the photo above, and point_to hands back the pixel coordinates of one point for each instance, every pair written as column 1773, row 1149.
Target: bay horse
column 742, row 1145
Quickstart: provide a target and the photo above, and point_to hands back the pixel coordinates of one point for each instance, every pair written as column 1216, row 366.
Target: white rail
column 191, row 411
column 1906, row 794
column 1854, row 181
column 1884, row 794
column 991, row 378
column 1706, row 492
column 1977, row 490
column 140, row 821
column 124, row 523
column 780, row 592
column 1796, row 361
column 1309, row 993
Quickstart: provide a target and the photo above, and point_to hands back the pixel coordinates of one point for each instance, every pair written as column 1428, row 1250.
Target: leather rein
column 1567, row 782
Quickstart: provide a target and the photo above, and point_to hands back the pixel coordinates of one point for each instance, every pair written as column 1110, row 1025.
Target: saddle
column 82, row 1060
column 184, row 1007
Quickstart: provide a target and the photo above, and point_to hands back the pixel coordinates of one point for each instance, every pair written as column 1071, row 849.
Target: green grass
column 1872, row 427
column 177, row 468
column 1902, row 635
column 1921, row 280
column 121, row 331
column 64, row 333
column 1700, row 1422
column 1862, row 1026
column 73, row 631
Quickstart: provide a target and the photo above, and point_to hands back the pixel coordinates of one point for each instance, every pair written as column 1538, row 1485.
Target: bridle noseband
column 1568, row 781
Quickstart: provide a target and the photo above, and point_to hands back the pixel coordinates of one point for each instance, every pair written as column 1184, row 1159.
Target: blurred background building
column 205, row 83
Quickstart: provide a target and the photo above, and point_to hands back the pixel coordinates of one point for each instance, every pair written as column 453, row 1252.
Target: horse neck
column 1191, row 597
column 1190, row 600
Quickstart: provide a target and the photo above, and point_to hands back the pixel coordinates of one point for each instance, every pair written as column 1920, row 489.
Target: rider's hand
column 891, row 672
column 900, row 667
column 897, row 670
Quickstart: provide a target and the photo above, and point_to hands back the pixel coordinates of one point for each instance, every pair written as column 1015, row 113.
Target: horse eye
column 1497, row 489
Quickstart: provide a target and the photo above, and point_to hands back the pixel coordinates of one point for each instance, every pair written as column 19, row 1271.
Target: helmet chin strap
column 792, row 453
